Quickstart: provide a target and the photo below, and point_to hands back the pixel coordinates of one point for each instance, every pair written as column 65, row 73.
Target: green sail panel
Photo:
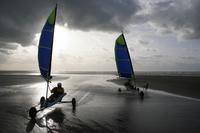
column 123, row 60
column 46, row 46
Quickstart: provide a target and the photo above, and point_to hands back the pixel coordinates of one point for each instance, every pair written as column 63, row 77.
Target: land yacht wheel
column 32, row 112
column 141, row 94
column 42, row 100
column 73, row 102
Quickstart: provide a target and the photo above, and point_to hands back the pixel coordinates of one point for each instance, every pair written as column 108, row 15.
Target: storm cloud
column 181, row 17
column 21, row 20
column 103, row 15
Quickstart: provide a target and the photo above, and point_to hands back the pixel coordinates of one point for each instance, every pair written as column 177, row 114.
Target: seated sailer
column 56, row 92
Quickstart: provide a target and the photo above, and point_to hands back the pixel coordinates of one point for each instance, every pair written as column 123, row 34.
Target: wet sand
column 183, row 85
column 15, row 79
column 100, row 107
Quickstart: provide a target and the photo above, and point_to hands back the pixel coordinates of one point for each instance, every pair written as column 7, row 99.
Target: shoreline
column 137, row 73
column 8, row 80
column 182, row 85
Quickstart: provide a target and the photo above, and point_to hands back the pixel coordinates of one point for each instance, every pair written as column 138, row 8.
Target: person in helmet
column 56, row 91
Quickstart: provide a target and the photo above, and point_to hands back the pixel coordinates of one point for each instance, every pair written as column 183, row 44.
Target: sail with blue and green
column 46, row 46
column 123, row 60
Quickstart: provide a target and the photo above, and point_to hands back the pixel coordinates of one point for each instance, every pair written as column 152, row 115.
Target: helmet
column 59, row 84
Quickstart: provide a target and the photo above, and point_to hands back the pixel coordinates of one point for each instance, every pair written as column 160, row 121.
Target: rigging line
column 49, row 88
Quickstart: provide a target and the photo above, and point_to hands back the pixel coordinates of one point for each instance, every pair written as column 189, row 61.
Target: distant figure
column 57, row 91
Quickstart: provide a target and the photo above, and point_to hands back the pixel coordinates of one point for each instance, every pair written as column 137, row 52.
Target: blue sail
column 123, row 60
column 46, row 46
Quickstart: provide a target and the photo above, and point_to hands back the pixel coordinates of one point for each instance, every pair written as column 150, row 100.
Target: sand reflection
column 52, row 121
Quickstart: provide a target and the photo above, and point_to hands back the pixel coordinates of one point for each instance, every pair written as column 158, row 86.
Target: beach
column 168, row 105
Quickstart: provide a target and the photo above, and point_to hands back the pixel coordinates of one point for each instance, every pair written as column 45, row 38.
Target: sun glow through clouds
column 61, row 39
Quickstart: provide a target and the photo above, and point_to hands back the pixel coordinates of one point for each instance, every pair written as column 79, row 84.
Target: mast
column 49, row 72
column 116, row 60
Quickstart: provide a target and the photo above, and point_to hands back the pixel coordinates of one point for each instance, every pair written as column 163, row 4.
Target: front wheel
column 42, row 100
column 73, row 102
column 142, row 94
column 32, row 112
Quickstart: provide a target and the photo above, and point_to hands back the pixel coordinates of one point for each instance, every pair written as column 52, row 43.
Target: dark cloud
column 178, row 16
column 104, row 15
column 21, row 19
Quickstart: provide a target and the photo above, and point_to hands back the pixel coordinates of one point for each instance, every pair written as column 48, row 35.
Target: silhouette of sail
column 123, row 60
column 46, row 46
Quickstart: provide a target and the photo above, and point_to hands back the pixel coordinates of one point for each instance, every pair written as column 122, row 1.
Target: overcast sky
column 162, row 35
